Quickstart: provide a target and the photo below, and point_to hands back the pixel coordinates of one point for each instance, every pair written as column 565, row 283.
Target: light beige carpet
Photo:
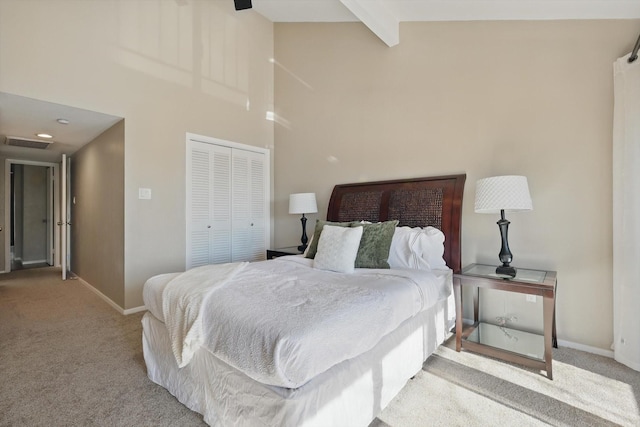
column 69, row 359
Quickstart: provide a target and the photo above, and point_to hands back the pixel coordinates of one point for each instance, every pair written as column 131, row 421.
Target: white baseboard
column 587, row 348
column 135, row 310
column 110, row 301
column 633, row 364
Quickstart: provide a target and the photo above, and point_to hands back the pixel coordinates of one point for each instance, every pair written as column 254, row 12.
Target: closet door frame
column 191, row 137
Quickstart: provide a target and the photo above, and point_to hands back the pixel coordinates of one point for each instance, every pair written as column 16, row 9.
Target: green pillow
column 315, row 238
column 374, row 244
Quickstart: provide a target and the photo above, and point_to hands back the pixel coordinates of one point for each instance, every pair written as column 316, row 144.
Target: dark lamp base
column 506, row 270
column 304, row 240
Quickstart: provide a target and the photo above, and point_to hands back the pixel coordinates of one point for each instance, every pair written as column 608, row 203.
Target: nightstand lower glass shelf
column 507, row 339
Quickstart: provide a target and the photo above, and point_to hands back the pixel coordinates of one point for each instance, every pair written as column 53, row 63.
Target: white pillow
column 421, row 248
column 432, row 243
column 338, row 248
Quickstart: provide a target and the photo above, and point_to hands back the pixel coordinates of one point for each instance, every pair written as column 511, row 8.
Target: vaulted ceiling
column 384, row 16
column 23, row 117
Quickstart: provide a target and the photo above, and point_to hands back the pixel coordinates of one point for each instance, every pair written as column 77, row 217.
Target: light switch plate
column 144, row 193
column 531, row 298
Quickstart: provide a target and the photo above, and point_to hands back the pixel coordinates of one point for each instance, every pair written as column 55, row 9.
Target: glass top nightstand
column 533, row 350
column 522, row 274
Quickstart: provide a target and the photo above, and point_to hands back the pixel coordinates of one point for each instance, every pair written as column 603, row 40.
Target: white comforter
column 282, row 322
column 182, row 301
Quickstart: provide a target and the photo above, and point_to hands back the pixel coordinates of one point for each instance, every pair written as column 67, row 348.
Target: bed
column 375, row 329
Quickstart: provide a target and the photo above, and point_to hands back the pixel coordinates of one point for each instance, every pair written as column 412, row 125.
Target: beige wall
column 531, row 98
column 483, row 98
column 167, row 68
column 97, row 213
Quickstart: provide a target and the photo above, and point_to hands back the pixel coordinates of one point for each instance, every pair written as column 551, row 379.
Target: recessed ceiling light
column 44, row 135
column 63, row 121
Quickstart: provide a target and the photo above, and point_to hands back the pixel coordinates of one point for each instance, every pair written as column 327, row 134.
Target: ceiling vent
column 27, row 143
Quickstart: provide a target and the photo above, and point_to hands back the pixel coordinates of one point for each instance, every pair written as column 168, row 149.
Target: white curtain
column 626, row 212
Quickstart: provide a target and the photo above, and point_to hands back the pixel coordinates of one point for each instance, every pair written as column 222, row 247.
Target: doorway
column 31, row 210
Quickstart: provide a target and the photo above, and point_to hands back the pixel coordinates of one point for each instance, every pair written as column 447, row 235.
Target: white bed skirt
column 351, row 393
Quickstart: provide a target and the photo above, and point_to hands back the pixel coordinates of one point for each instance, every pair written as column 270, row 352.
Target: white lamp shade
column 509, row 193
column 302, row 203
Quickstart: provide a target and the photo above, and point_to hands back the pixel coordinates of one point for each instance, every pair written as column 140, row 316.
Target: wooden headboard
column 417, row 202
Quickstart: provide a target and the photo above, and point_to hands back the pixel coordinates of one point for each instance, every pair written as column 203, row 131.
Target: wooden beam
column 377, row 17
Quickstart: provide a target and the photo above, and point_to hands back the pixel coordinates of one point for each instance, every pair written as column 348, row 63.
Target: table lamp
column 499, row 194
column 303, row 203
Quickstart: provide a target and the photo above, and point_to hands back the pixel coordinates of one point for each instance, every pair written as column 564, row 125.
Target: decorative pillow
column 375, row 244
column 421, row 248
column 313, row 245
column 337, row 248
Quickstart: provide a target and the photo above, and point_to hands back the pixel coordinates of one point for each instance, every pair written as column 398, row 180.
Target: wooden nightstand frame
column 546, row 289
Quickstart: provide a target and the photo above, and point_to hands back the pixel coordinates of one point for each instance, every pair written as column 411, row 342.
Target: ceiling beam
column 377, row 17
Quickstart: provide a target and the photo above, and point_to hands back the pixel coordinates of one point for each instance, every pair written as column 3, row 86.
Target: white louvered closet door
column 209, row 200
column 249, row 207
column 227, row 204
column 198, row 205
column 220, row 214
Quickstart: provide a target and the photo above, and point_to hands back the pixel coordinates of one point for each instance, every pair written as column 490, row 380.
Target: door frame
column 7, row 208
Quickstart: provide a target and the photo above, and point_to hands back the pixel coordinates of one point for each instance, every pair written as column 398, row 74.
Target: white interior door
column 64, row 215
column 68, row 200
column 209, row 204
column 228, row 216
column 249, row 206
column 50, row 215
column 220, row 196
column 198, row 206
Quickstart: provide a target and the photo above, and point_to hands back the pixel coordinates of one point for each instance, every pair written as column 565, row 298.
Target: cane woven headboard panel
column 417, row 202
